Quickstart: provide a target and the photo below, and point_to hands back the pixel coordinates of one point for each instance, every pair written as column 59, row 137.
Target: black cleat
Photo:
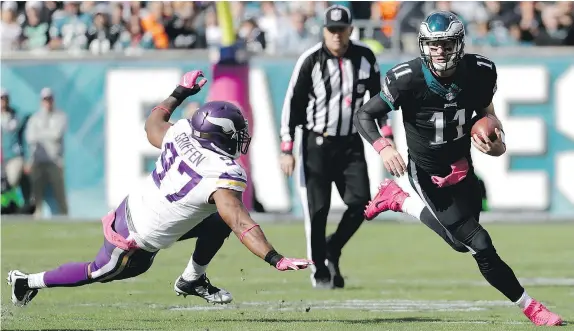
column 202, row 288
column 333, row 265
column 321, row 279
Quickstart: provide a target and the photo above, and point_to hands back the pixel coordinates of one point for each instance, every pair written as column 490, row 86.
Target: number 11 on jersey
column 439, row 123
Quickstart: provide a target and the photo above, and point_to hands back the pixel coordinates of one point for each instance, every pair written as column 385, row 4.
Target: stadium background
column 399, row 276
column 107, row 93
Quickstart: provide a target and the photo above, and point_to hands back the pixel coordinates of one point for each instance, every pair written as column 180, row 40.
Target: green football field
column 399, row 277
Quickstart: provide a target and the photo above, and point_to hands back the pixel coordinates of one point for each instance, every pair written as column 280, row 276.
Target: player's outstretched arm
column 236, row 216
column 157, row 122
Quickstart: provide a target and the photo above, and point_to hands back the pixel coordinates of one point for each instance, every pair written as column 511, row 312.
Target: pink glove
column 459, row 171
column 189, row 85
column 293, row 264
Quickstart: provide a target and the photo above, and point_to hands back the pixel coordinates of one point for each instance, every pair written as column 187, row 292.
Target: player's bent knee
column 473, row 235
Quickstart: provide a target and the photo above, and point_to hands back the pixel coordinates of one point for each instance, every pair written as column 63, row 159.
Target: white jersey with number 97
column 174, row 197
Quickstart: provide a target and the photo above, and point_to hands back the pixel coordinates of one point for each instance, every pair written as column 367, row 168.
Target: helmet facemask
column 453, row 51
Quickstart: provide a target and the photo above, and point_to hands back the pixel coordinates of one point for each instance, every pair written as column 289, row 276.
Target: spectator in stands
column 117, row 23
column 134, row 39
column 69, row 30
column 35, row 30
column 212, row 30
column 253, row 37
column 296, row 38
column 183, row 34
column 100, row 37
column 12, row 143
column 270, row 22
column 552, row 32
column 10, row 30
column 154, row 24
column 45, row 138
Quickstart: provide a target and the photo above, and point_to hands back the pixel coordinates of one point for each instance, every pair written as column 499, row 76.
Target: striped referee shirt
column 325, row 91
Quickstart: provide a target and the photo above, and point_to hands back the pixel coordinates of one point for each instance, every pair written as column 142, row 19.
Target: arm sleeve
column 296, row 98
column 377, row 108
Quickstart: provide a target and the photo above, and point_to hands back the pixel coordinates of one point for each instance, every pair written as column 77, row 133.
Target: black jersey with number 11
column 437, row 113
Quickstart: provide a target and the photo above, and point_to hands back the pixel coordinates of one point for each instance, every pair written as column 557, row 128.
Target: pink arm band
column 245, row 232
column 162, row 108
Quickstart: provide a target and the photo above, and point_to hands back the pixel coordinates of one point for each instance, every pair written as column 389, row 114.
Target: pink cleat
column 540, row 315
column 390, row 197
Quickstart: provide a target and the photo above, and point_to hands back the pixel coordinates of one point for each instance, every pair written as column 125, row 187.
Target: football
column 487, row 126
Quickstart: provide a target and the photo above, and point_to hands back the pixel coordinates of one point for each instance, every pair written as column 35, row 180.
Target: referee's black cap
column 337, row 16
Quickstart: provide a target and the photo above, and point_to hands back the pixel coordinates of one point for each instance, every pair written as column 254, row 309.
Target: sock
column 413, row 206
column 67, row 275
column 524, row 301
column 36, row 280
column 193, row 270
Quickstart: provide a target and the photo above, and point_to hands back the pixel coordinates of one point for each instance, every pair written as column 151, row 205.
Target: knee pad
column 473, row 235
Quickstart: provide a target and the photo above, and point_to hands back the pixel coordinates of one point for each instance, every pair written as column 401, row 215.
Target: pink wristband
column 245, row 232
column 381, row 144
column 286, row 146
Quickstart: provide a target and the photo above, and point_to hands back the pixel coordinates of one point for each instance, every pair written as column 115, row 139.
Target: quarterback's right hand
column 287, row 164
column 393, row 161
column 292, row 264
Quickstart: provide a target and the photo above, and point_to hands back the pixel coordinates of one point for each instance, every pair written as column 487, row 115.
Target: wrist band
column 381, row 144
column 286, row 146
column 273, row 257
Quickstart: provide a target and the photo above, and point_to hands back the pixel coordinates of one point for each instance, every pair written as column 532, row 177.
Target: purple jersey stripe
column 225, row 175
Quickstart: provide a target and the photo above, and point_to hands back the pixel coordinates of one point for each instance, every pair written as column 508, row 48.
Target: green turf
column 399, row 277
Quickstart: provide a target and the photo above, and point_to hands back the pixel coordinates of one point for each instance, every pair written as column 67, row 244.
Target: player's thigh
column 432, row 222
column 113, row 263
column 212, row 226
column 447, row 204
column 353, row 182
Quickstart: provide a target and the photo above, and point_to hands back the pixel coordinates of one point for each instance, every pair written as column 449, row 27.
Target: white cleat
column 21, row 293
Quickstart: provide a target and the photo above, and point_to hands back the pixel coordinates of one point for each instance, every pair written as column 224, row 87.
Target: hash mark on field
column 368, row 305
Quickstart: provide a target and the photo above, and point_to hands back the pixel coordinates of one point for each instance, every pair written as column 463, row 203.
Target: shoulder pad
column 401, row 75
column 480, row 63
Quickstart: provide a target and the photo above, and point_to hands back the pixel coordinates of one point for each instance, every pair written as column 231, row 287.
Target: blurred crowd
column 281, row 27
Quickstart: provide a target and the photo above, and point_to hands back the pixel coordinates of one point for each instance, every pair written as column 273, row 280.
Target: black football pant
column 326, row 160
column 453, row 213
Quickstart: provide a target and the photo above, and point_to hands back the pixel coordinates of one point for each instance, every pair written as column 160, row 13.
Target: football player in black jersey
column 438, row 94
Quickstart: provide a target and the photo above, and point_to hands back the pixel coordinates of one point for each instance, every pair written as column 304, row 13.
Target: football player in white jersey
column 195, row 191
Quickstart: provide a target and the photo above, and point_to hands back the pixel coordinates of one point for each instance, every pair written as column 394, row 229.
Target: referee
column 327, row 87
